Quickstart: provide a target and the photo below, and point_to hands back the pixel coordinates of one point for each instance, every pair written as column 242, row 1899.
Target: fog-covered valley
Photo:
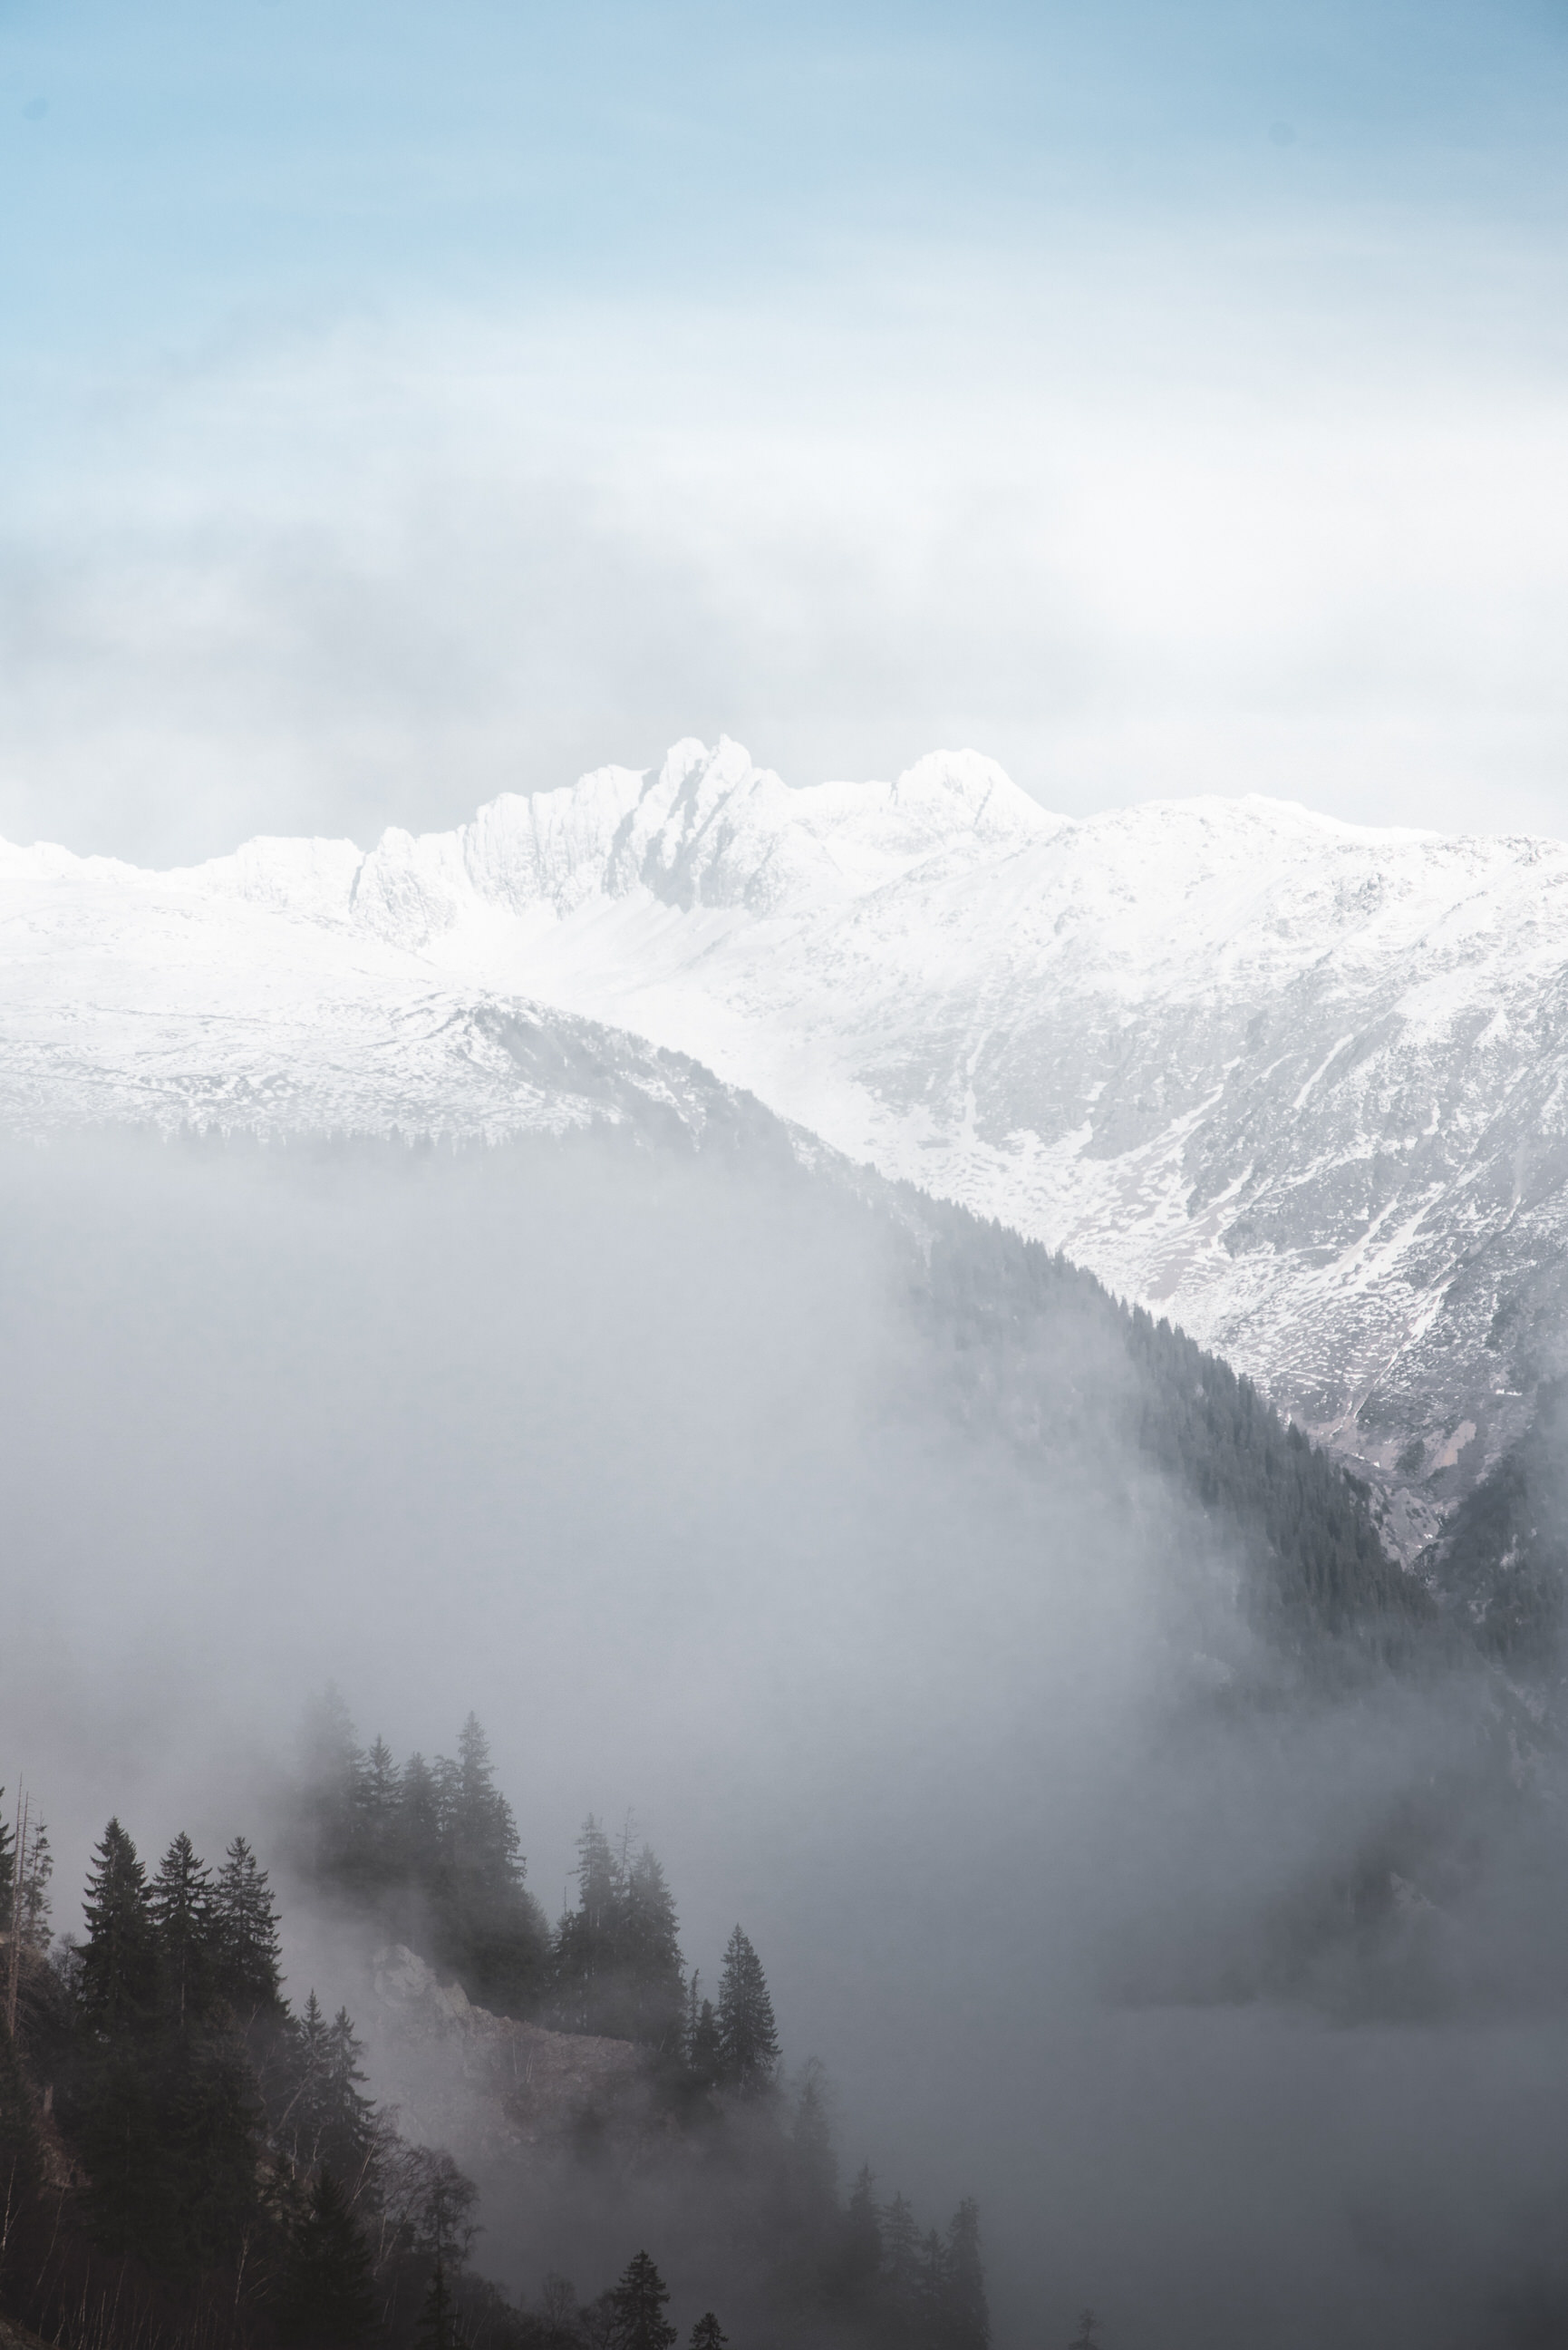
column 1209, row 1938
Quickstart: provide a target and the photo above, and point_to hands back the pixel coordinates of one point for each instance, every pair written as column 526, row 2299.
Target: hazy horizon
column 393, row 417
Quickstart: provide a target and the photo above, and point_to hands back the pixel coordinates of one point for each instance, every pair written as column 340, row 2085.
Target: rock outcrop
column 494, row 2091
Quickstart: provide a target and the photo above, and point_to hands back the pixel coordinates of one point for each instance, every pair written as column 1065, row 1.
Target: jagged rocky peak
column 708, row 828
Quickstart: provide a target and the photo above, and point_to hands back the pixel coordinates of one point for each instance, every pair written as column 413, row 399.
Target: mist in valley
column 653, row 1458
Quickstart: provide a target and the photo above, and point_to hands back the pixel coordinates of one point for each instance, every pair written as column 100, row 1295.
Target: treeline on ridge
column 431, row 1852
column 182, row 2157
column 1003, row 1307
column 185, row 2160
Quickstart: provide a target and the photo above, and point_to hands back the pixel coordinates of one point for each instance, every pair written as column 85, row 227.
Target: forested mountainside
column 1500, row 1564
column 729, row 1480
column 185, row 2159
column 986, row 1330
column 1028, row 1335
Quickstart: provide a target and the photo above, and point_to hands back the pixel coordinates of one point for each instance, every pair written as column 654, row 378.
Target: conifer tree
column 209, row 2120
column 418, row 1830
column 967, row 2317
column 583, row 1959
column 637, row 2319
column 326, row 2122
column 438, row 2327
column 931, row 2286
column 111, row 2097
column 19, row 2155
column 812, row 2159
column 489, row 1926
column 328, row 2295
column 900, row 2253
column 707, row 2334
column 333, row 1803
column 748, row 2038
column 118, row 1978
column 180, row 1905
column 443, row 2234
column 862, row 2262
column 703, row 2055
column 483, row 1832
column 247, row 1952
column 381, row 1794
column 650, row 1955
column 349, row 2134
column 302, row 2114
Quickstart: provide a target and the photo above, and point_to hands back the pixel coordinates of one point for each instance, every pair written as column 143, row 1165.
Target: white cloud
column 1134, row 526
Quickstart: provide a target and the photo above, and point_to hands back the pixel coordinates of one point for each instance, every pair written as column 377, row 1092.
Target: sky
column 401, row 405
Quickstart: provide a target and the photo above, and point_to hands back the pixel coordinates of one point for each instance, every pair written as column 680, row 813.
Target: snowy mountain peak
column 710, row 829
column 1299, row 1084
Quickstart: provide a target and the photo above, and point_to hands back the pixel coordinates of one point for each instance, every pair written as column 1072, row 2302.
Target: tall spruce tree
column 443, row 2236
column 381, row 1806
column 900, row 2258
column 247, row 1952
column 813, row 2162
column 332, row 1802
column 111, row 2099
column 489, row 1926
column 649, row 1956
column 119, row 1975
column 416, row 1840
column 931, row 2287
column 209, row 2125
column 180, row 1905
column 325, row 2121
column 967, row 2316
column 20, row 2161
column 636, row 2309
column 748, row 2038
column 704, row 2057
column 584, row 1958
column 327, row 2296
column 860, row 2264
column 437, row 2327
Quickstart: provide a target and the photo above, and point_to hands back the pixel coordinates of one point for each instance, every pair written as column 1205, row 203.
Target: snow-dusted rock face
column 1297, row 1083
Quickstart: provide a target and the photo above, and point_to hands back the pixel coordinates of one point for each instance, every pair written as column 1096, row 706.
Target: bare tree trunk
column 18, row 1868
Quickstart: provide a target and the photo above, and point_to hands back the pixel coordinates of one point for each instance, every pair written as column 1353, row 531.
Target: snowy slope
column 164, row 1000
column 1299, row 1084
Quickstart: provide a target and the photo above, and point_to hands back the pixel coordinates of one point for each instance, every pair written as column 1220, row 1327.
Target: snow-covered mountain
column 1298, row 1084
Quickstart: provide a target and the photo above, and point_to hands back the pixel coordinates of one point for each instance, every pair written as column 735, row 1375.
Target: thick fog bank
column 647, row 1459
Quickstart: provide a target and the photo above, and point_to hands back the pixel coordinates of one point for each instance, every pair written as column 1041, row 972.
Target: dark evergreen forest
column 1042, row 1352
column 186, row 2159
column 1500, row 1566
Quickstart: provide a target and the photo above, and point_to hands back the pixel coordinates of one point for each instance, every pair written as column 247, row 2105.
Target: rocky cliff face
column 1301, row 1085
column 502, row 2095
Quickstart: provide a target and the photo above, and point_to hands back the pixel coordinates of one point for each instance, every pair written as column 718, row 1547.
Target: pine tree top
column 637, row 2309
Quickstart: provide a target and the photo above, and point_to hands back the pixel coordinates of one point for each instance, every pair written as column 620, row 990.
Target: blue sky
column 401, row 404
